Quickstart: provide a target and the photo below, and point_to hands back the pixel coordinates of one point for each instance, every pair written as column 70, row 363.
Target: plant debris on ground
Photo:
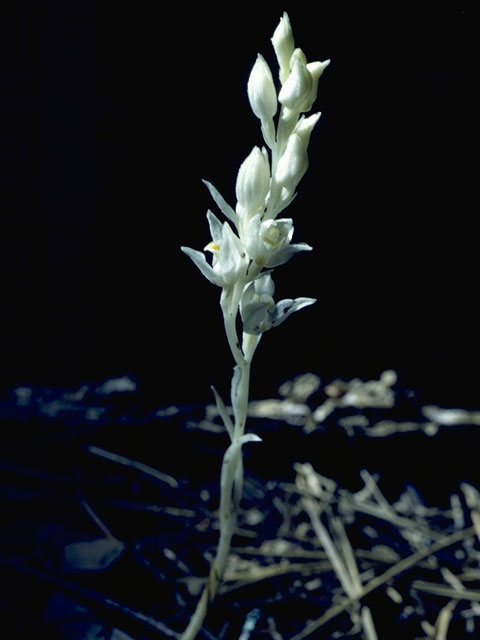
column 361, row 515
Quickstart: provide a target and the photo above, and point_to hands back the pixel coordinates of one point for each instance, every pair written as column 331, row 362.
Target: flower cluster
column 253, row 240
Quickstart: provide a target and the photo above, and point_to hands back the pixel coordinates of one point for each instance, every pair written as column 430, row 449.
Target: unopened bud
column 283, row 44
column 317, row 68
column 296, row 91
column 261, row 90
column 304, row 127
column 300, row 89
column 292, row 164
column 253, row 182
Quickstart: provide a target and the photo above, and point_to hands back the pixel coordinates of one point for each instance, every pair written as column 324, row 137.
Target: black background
column 113, row 114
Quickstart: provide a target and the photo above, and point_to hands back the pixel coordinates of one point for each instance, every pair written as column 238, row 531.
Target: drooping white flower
column 229, row 262
column 268, row 242
column 284, row 46
column 258, row 309
column 253, row 182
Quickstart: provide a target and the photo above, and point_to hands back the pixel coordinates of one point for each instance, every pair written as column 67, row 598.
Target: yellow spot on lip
column 212, row 246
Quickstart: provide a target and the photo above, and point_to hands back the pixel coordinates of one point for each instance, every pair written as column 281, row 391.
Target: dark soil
column 109, row 516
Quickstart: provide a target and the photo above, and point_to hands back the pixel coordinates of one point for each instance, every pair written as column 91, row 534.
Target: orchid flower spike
column 269, row 176
column 248, row 246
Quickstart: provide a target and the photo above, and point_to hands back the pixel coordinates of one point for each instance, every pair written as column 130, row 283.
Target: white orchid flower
column 268, row 242
column 258, row 309
column 229, row 262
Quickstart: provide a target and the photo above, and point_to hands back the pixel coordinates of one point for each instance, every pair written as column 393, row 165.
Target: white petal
column 257, row 305
column 199, row 260
column 304, row 127
column 255, row 318
column 285, row 253
column 232, row 261
column 221, row 203
column 317, row 68
column 264, row 285
column 285, row 308
column 215, row 226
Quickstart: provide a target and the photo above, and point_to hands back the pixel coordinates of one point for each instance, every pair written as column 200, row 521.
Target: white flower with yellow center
column 229, row 261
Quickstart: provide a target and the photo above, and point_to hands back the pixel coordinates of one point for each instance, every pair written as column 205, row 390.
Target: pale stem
column 231, row 481
column 239, row 428
column 196, row 621
column 238, row 485
column 231, row 485
column 228, row 512
column 230, row 301
column 241, row 404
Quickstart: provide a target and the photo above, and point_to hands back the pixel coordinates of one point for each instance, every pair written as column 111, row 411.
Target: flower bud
column 304, row 127
column 259, row 311
column 292, row 164
column 296, row 91
column 257, row 305
column 283, row 44
column 300, row 88
column 317, row 68
column 253, row 182
column 261, row 90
